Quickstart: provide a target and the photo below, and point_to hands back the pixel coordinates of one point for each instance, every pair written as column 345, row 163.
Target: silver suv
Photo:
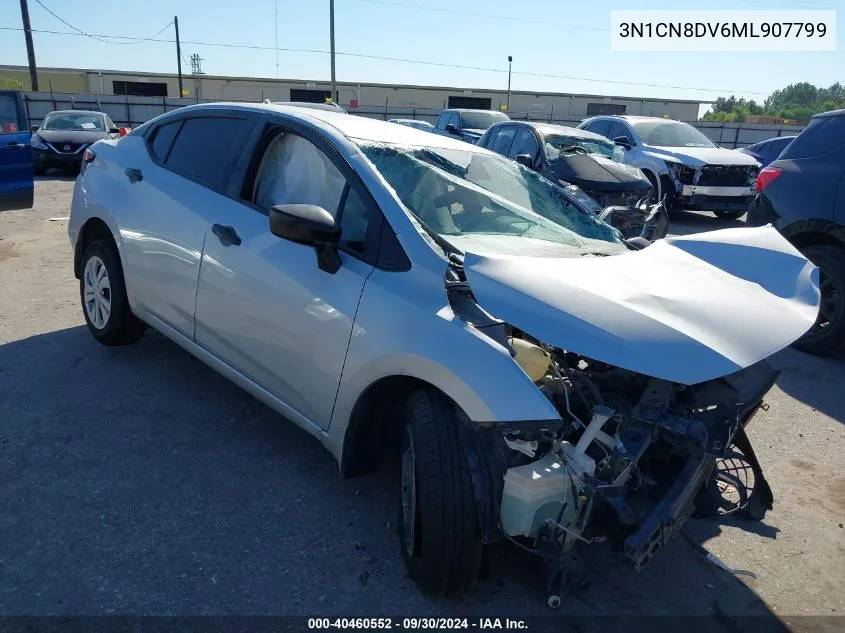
column 687, row 168
column 396, row 292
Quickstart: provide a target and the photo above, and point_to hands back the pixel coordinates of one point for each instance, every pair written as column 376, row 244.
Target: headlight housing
column 36, row 142
column 680, row 172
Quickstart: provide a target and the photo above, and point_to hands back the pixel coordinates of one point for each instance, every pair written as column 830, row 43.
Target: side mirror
column 114, row 130
column 623, row 141
column 450, row 127
column 526, row 160
column 34, row 128
column 311, row 225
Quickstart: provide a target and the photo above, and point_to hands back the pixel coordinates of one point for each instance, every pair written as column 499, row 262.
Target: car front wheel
column 103, row 294
column 828, row 332
column 438, row 522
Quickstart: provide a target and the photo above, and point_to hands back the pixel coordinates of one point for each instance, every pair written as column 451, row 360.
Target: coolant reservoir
column 532, row 358
column 536, row 491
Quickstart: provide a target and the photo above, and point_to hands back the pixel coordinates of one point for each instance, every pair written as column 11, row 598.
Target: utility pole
column 197, row 73
column 276, row 24
column 331, row 36
column 510, row 62
column 178, row 53
column 30, row 49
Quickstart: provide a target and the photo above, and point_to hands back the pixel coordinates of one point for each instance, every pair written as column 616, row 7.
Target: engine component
column 533, row 359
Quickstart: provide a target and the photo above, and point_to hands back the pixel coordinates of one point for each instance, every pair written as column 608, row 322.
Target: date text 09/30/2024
column 417, row 624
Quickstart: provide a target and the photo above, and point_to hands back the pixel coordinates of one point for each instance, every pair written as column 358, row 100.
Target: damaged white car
column 542, row 379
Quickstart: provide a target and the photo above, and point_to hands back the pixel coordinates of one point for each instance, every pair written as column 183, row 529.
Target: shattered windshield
column 463, row 195
column 671, row 134
column 481, row 120
column 557, row 145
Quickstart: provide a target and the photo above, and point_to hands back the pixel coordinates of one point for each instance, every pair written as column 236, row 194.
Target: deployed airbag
column 686, row 309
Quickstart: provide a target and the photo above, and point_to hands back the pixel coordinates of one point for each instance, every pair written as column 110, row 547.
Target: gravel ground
column 138, row 481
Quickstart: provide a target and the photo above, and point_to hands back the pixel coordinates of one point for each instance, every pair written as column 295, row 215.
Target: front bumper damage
column 709, row 187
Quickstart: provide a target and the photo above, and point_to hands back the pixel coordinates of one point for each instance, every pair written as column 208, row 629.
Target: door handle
column 12, row 145
column 134, row 175
column 226, row 234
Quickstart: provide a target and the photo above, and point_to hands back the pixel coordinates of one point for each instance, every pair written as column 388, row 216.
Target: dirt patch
column 8, row 250
column 837, row 493
column 804, row 464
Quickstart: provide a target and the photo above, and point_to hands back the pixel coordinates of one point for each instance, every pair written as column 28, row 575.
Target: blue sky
column 566, row 38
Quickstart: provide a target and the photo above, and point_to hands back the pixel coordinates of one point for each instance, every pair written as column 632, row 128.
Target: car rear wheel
column 103, row 294
column 828, row 332
column 729, row 215
column 438, row 523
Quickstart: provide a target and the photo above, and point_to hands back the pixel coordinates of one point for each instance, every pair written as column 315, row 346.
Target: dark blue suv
column 802, row 194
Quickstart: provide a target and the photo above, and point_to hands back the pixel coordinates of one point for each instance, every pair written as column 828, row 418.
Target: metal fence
column 132, row 111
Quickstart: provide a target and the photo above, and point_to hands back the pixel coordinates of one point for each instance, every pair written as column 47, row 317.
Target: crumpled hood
column 597, row 173
column 697, row 156
column 686, row 309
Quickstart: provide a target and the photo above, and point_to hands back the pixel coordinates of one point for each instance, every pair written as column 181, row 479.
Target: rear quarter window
column 820, row 137
column 162, row 140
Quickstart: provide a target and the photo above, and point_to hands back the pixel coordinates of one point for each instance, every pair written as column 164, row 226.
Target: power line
column 414, row 61
column 509, row 18
column 99, row 38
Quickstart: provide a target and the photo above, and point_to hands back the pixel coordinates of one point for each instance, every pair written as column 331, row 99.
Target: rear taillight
column 767, row 176
column 87, row 158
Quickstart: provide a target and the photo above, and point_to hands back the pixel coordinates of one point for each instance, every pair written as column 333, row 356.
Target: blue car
column 767, row 151
column 16, row 186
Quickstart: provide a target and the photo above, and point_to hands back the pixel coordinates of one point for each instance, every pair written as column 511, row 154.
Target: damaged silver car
column 540, row 378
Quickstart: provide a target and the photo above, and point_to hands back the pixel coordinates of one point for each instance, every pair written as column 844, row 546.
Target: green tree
column 796, row 101
column 9, row 83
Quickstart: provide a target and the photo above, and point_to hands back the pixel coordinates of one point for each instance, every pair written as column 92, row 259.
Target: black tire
column 121, row 327
column 829, row 331
column 441, row 546
column 729, row 215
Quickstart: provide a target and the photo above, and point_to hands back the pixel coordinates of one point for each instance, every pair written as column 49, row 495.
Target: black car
column 767, row 151
column 802, row 194
column 61, row 139
column 467, row 125
column 573, row 156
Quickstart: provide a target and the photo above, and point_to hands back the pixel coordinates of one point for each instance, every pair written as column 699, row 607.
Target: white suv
column 687, row 168
column 393, row 291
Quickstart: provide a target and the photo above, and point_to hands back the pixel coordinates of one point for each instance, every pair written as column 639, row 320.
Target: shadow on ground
column 817, row 381
column 137, row 481
column 689, row 222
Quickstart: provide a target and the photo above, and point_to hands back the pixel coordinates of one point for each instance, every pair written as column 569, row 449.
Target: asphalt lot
column 135, row 480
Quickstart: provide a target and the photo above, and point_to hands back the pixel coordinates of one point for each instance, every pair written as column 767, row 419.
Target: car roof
column 551, row 128
column 352, row 126
column 832, row 113
column 470, row 110
column 76, row 112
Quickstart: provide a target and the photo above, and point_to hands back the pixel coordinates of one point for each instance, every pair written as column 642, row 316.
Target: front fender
column 401, row 331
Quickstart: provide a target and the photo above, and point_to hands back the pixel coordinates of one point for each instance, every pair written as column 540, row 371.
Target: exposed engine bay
column 631, row 457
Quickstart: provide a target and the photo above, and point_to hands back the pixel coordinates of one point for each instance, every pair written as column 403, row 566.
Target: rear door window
column 823, row 135
column 204, row 147
column 162, row 140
